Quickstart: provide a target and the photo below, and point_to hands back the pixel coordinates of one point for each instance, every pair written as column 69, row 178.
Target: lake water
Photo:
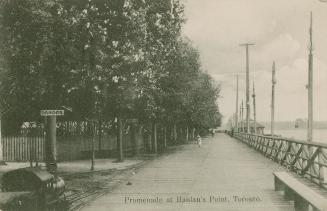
column 319, row 135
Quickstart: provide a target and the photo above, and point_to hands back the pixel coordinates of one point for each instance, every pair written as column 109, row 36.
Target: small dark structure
column 300, row 123
column 260, row 128
column 32, row 189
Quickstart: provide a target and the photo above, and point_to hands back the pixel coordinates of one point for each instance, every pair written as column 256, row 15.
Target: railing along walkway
column 306, row 159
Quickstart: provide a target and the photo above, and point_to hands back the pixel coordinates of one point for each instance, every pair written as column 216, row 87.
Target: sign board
column 132, row 120
column 52, row 112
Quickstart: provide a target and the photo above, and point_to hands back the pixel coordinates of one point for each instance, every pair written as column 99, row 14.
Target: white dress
column 199, row 141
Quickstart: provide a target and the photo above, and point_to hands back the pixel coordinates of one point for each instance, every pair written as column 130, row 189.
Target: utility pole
column 273, row 80
column 240, row 123
column 247, row 86
column 254, row 112
column 242, row 117
column 310, row 85
column 236, row 113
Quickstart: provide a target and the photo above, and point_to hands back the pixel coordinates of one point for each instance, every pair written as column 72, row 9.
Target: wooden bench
column 304, row 197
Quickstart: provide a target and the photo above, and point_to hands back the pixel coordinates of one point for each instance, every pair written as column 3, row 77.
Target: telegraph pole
column 247, row 86
column 310, row 85
column 254, row 112
column 242, row 117
column 273, row 80
column 232, row 121
column 240, row 123
column 236, row 113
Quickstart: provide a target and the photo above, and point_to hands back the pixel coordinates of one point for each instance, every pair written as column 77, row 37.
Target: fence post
column 36, row 152
column 30, row 151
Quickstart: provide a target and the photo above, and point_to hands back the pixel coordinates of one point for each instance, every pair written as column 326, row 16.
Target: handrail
column 308, row 159
column 316, row 144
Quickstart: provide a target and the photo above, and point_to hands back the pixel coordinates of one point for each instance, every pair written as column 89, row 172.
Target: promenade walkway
column 224, row 174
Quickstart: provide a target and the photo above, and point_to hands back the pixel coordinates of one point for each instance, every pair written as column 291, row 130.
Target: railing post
column 311, row 166
column 267, row 146
column 321, row 167
column 272, row 148
column 284, row 159
column 258, row 146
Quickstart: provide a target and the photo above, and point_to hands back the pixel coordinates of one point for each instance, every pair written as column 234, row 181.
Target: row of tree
column 107, row 59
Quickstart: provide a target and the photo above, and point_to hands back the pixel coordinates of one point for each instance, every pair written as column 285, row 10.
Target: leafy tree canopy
column 122, row 58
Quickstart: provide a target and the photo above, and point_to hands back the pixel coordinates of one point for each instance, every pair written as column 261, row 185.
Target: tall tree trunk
column 175, row 133
column 133, row 139
column 1, row 152
column 150, row 142
column 155, row 141
column 187, row 134
column 165, row 137
column 100, row 135
column 93, row 146
column 120, row 139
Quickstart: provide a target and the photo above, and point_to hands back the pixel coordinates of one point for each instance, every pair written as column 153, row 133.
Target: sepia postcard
column 163, row 105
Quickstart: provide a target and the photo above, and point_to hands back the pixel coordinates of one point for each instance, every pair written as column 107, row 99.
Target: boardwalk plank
column 223, row 168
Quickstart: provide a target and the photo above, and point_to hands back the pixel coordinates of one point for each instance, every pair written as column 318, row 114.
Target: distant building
column 260, row 127
column 300, row 123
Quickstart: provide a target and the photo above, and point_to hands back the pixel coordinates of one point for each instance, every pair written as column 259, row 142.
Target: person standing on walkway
column 199, row 140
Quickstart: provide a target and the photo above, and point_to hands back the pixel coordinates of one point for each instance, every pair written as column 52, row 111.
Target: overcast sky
column 280, row 30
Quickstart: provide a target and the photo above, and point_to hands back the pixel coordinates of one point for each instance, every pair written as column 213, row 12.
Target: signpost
column 50, row 138
column 52, row 112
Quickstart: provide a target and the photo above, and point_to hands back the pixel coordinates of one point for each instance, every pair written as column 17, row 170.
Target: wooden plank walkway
column 224, row 174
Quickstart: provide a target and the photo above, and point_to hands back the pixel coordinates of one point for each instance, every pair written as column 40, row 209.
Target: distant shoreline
column 291, row 125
